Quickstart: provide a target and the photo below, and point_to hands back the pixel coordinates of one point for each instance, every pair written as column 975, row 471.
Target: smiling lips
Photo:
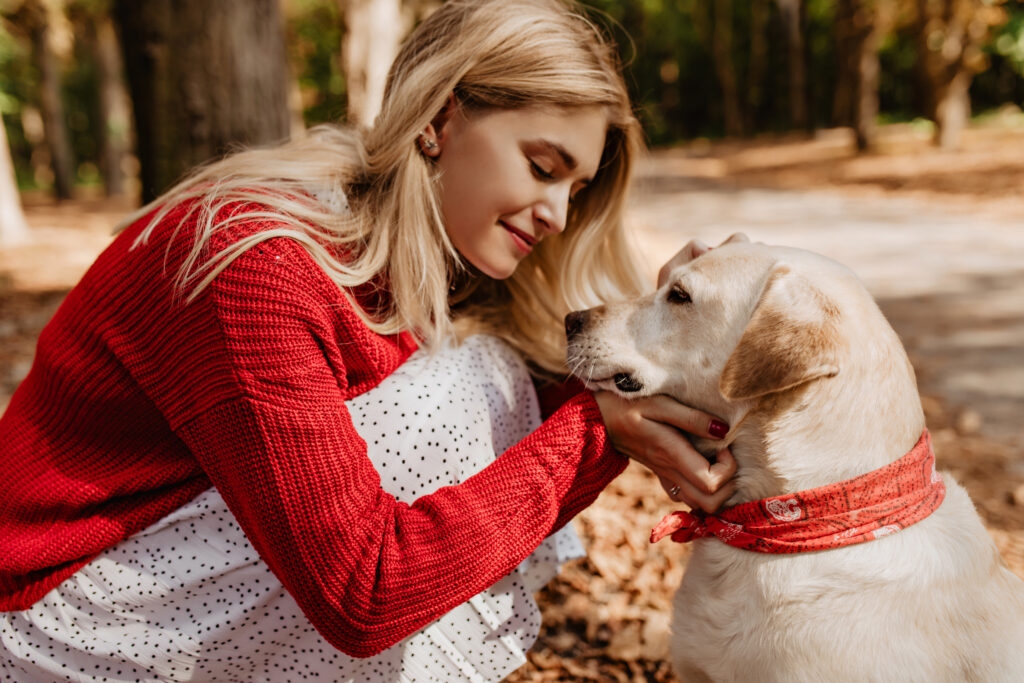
column 524, row 241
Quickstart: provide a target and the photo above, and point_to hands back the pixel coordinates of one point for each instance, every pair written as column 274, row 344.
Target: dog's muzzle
column 575, row 322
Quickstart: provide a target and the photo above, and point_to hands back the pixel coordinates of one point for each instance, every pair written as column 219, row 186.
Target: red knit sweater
column 136, row 403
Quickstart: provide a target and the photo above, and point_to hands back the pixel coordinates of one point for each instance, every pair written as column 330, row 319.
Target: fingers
column 690, row 420
column 692, row 469
column 665, row 451
column 692, row 250
column 736, row 237
column 712, row 502
column 648, row 431
column 685, row 491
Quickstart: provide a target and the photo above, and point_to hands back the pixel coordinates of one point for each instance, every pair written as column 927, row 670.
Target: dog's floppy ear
column 790, row 339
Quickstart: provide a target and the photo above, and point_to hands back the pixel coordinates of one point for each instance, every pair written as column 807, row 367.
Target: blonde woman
column 250, row 448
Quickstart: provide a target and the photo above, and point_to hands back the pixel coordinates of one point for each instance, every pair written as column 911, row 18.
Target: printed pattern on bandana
column 864, row 508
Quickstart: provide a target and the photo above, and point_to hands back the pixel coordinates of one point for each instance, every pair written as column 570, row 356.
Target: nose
column 575, row 322
column 553, row 209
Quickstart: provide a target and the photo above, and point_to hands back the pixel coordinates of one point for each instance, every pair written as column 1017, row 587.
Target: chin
column 495, row 270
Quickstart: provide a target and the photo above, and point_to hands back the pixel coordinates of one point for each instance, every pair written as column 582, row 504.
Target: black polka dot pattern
column 188, row 599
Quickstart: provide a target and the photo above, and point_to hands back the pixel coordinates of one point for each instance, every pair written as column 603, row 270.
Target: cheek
column 471, row 200
column 672, row 342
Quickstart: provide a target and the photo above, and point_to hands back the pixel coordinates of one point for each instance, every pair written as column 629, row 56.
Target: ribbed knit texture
column 136, row 403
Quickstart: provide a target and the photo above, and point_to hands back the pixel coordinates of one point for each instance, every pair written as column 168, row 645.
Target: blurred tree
column 373, row 32
column 793, row 17
column 204, row 77
column 36, row 18
column 757, row 63
column 722, row 48
column 1001, row 85
column 112, row 114
column 115, row 108
column 859, row 27
column 314, row 29
column 13, row 228
column 950, row 34
column 714, row 23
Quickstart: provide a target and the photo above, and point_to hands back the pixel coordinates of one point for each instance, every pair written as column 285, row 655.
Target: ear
column 433, row 136
column 791, row 339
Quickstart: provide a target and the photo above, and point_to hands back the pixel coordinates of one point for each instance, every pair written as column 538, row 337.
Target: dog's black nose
column 574, row 322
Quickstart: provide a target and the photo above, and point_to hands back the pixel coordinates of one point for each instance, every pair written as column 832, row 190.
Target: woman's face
column 507, row 177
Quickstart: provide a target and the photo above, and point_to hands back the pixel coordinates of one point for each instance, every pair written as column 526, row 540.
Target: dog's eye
column 678, row 295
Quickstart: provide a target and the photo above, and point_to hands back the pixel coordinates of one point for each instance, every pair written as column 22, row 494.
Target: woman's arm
column 280, row 447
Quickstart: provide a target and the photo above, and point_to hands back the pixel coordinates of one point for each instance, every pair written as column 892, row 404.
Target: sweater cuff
column 597, row 468
column 553, row 396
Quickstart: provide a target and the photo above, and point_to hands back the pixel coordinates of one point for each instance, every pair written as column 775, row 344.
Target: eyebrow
column 568, row 159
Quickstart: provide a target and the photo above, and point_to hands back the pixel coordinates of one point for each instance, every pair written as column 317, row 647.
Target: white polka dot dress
column 188, row 599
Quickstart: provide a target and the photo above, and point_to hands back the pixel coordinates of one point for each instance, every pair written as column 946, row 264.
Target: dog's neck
column 828, row 430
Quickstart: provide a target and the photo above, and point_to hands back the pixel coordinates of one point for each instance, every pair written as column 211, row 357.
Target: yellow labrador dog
column 842, row 556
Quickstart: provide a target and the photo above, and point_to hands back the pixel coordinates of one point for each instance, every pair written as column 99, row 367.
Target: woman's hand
column 692, row 250
column 648, row 431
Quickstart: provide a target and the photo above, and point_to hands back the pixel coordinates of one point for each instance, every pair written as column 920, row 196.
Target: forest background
column 885, row 133
column 205, row 76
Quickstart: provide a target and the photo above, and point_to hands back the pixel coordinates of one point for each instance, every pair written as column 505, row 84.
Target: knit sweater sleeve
column 281, row 448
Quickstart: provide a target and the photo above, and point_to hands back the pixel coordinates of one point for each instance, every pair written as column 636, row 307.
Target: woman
column 232, row 334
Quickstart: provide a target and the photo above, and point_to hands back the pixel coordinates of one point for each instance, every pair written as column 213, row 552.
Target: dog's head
column 783, row 336
column 740, row 322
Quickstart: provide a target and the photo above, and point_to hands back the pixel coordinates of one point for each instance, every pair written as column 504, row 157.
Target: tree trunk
column 721, row 46
column 792, row 16
column 13, row 228
column 51, row 103
column 867, row 28
column 373, row 32
column 953, row 110
column 115, row 109
column 865, row 114
column 204, row 77
column 949, row 35
column 760, row 11
column 845, row 37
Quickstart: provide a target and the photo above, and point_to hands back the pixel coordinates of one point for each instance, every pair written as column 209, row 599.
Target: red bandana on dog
column 862, row 509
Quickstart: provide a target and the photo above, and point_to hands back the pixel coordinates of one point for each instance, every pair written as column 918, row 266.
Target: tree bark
column 760, row 11
column 204, row 77
column 721, row 46
column 949, row 35
column 953, row 110
column 792, row 16
column 373, row 31
column 13, row 228
column 865, row 115
column 844, row 31
column 115, row 108
column 51, row 103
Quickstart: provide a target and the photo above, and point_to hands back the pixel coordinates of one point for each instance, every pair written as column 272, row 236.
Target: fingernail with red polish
column 718, row 429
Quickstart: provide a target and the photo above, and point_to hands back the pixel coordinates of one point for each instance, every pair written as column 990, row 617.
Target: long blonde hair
column 490, row 53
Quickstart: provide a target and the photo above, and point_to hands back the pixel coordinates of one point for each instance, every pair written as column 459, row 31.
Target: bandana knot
column 861, row 509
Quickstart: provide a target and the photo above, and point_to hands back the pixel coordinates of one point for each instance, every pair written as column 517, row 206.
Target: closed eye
column 540, row 172
column 678, row 295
